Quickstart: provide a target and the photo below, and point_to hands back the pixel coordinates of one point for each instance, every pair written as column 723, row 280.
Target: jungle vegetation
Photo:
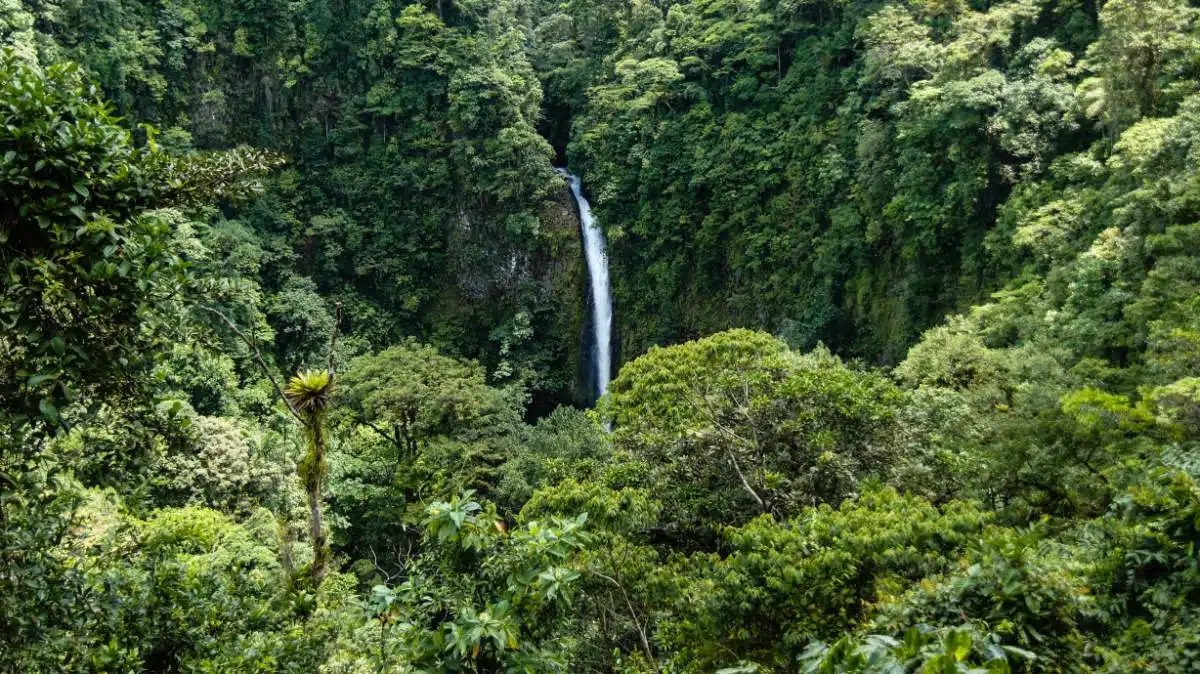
column 907, row 295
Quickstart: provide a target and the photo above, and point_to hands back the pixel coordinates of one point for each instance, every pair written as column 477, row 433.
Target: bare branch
column 730, row 453
column 641, row 630
column 262, row 364
column 384, row 434
column 746, row 483
column 337, row 321
column 387, row 577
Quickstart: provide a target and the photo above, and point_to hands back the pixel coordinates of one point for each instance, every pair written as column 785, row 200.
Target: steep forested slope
column 418, row 192
column 848, row 172
column 845, row 173
column 238, row 432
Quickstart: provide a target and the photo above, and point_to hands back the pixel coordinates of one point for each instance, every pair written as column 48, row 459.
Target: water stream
column 597, row 264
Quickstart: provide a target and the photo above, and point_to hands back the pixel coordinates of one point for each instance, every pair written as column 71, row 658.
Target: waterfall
column 597, row 264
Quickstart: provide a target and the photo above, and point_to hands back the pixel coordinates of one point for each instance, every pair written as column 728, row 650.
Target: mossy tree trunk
column 309, row 395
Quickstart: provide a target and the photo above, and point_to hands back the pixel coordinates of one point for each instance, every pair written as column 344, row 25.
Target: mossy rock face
column 565, row 274
column 500, row 286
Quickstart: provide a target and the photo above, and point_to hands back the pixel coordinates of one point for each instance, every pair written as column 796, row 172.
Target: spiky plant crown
column 309, row 392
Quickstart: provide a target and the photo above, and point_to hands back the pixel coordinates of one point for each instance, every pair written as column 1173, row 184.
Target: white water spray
column 597, row 263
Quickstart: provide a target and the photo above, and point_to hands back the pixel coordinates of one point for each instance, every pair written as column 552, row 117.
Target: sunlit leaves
column 764, row 428
column 87, row 261
column 950, row 651
column 491, row 617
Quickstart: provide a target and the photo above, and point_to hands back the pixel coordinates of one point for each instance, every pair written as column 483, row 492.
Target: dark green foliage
column 1025, row 596
column 951, row 651
column 567, row 444
column 1017, row 494
column 199, row 592
column 187, row 590
column 1148, row 576
column 83, row 252
column 849, row 172
column 420, row 193
column 424, row 425
column 46, row 606
column 413, row 396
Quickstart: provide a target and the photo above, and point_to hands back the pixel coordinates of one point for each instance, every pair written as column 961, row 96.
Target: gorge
column 600, row 337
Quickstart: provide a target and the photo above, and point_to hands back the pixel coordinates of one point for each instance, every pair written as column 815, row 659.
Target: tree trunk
column 317, row 532
column 312, row 485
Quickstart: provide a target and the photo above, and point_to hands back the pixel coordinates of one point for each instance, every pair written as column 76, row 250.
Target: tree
column 782, row 585
column 1143, row 44
column 751, row 425
column 86, row 260
column 308, row 397
column 419, row 425
column 309, row 394
column 217, row 467
column 411, row 395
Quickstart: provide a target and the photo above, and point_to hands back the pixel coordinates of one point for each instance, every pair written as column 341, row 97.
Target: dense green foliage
column 850, row 172
column 419, row 192
column 907, row 297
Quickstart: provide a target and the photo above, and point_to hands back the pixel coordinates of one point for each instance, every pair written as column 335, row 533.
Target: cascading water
column 597, row 263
